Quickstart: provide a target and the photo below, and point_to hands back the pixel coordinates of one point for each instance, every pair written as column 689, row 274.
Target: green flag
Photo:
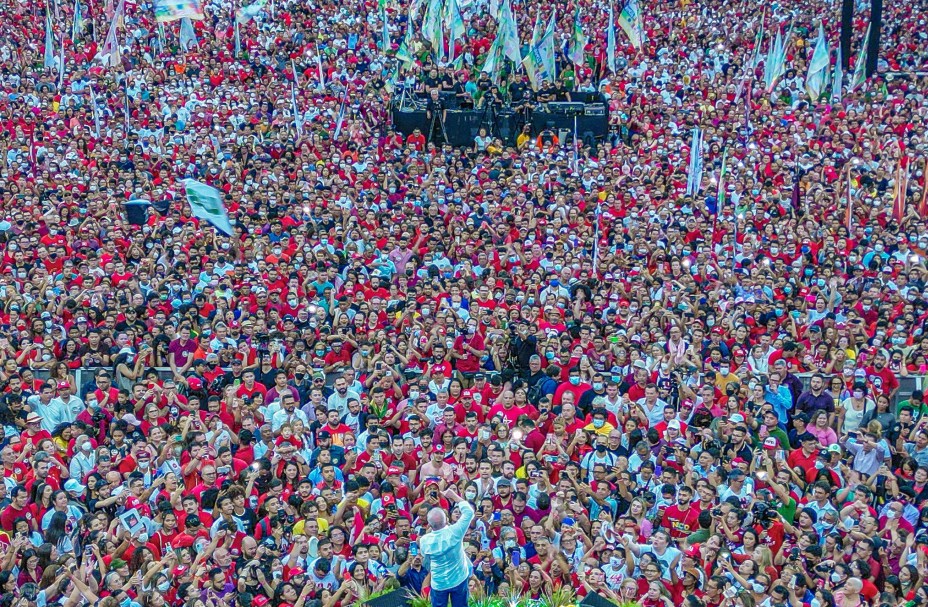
column 509, row 31
column 578, row 41
column 860, row 66
column 630, row 22
column 206, row 203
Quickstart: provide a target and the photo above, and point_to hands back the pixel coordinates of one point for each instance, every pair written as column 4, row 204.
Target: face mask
column 549, row 355
column 85, row 446
column 819, row 465
column 509, row 544
column 600, row 448
column 835, row 578
column 723, row 371
column 598, row 423
column 598, row 386
column 615, row 562
column 858, row 394
column 164, row 586
column 757, row 587
column 575, row 381
column 470, row 495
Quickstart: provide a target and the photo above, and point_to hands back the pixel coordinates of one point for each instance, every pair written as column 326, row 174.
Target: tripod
column 438, row 117
column 488, row 119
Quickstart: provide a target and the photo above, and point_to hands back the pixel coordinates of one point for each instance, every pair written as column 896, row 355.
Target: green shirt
column 788, row 511
column 917, row 410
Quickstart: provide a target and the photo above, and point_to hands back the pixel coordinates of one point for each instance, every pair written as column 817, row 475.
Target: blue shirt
column 444, row 548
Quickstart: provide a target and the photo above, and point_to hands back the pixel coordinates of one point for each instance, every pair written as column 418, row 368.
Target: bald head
column 437, row 519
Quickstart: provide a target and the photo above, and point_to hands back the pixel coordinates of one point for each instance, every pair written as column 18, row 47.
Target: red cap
column 393, row 470
column 467, row 394
column 182, row 541
column 439, row 448
column 259, row 601
column 386, row 499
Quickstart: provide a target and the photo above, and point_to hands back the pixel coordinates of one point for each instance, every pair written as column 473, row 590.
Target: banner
column 206, row 203
column 174, row 10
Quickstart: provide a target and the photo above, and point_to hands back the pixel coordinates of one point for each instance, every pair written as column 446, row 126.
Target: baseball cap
column 260, row 601
column 73, row 486
column 771, row 443
column 736, row 418
column 393, row 470
column 192, row 520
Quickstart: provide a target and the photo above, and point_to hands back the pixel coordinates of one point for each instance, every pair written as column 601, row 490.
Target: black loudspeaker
column 873, row 47
column 397, row 598
column 506, row 126
column 847, row 30
column 594, row 600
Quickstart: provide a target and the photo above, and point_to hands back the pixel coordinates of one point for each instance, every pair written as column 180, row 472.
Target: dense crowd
column 708, row 400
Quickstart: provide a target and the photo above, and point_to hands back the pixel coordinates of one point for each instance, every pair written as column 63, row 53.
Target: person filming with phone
column 443, row 548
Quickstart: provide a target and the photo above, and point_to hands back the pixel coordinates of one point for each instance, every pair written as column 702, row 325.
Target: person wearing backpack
column 544, row 386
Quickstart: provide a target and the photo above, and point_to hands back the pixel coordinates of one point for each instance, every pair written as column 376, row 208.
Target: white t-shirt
column 666, row 559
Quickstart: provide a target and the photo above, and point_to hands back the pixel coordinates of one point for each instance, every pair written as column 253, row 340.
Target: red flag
column 899, row 195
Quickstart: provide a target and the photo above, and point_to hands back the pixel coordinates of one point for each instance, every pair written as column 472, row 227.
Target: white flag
column 817, row 76
column 206, row 203
column 247, row 13
column 837, row 81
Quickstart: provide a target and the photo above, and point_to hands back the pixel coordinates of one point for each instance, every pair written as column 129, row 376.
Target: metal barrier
column 907, row 385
